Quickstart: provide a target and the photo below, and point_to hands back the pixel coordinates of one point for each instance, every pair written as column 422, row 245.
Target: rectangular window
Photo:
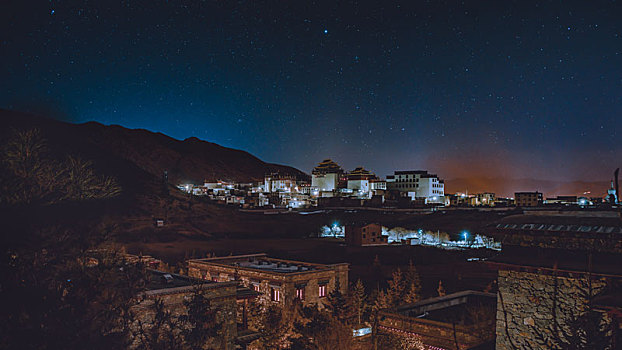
column 300, row 293
column 276, row 295
column 322, row 291
column 256, row 287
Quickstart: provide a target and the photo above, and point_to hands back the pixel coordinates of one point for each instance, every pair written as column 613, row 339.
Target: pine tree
column 395, row 292
column 413, row 282
column 412, row 295
column 441, row 289
column 337, row 303
column 382, row 301
column 359, row 301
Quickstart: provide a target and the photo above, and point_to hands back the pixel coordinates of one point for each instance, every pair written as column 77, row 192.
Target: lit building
column 418, row 184
column 359, row 181
column 562, row 200
column 279, row 281
column 486, row 199
column 528, row 199
column 326, row 176
column 377, row 185
column 280, row 183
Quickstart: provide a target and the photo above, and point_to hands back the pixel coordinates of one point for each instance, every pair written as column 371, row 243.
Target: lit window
column 276, row 294
column 322, row 291
column 300, row 293
column 256, row 287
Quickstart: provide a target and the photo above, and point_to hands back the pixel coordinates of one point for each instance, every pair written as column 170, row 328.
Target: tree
column 161, row 332
column 319, row 330
column 32, row 176
column 359, row 301
column 395, row 292
column 201, row 324
column 338, row 304
column 272, row 324
column 413, row 283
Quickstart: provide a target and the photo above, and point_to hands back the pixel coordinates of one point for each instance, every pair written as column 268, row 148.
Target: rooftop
column 158, row 280
column 264, row 263
column 361, row 173
column 410, row 172
column 327, row 166
column 606, row 222
column 462, row 307
column 165, row 282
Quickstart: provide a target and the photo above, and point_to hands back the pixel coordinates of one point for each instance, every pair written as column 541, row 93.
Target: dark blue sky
column 517, row 89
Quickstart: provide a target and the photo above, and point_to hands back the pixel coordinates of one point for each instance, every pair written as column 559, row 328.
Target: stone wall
column 438, row 334
column 525, row 306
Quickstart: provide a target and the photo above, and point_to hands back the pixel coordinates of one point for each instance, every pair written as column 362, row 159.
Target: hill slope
column 191, row 160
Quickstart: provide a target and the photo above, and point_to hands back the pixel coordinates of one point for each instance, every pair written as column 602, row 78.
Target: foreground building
column 277, row 280
column 461, row 320
column 559, row 274
column 172, row 289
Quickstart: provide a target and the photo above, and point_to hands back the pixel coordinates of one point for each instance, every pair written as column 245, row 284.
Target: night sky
column 465, row 89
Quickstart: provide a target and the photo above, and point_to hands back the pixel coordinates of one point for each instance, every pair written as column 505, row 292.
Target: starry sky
column 511, row 89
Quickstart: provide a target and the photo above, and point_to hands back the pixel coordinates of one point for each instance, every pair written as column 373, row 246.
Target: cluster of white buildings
column 328, row 180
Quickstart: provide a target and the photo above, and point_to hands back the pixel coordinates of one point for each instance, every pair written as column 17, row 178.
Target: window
column 322, row 291
column 300, row 293
column 276, row 294
column 256, row 287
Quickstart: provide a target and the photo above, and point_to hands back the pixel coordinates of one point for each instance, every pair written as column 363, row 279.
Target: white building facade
column 418, row 184
column 326, row 176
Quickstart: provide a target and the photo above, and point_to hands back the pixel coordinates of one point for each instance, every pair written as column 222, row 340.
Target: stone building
column 228, row 298
column 528, row 199
column 366, row 235
column 555, row 267
column 461, row 320
column 277, row 280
